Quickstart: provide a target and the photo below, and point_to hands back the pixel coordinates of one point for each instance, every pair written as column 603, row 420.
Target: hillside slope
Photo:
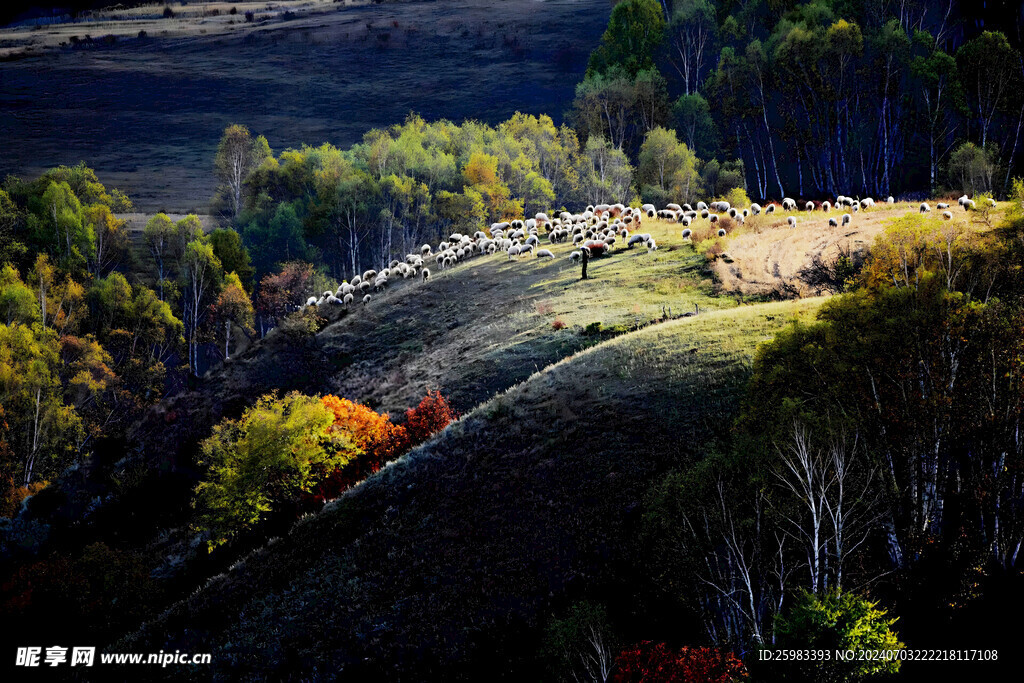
column 471, row 331
column 533, row 497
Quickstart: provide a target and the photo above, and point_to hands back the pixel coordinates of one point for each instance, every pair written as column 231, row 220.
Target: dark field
column 147, row 113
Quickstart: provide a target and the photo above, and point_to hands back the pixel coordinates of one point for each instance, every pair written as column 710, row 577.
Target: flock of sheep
column 592, row 233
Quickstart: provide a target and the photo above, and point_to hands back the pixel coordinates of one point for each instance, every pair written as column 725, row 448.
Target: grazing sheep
column 575, row 256
column 721, row 232
column 732, row 213
column 890, row 200
column 770, row 208
column 311, row 301
column 673, row 207
column 513, row 252
column 991, row 202
column 366, row 299
column 545, row 253
column 963, row 199
column 685, row 221
column 924, row 208
column 425, row 273
column 370, row 274
column 788, row 204
column 356, row 281
column 379, row 284
column 713, row 218
column 652, row 245
column 792, row 221
column 948, row 215
column 701, row 206
column 846, row 219
column 333, row 300
column 942, row 205
column 826, row 207
column 348, row 298
column 809, row 206
column 687, row 233
column 426, row 249
column 755, row 209
column 969, row 205
column 635, row 239
column 364, row 286
column 833, row 223
column 704, row 213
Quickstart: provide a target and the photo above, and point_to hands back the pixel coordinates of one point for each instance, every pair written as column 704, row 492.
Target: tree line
column 816, row 98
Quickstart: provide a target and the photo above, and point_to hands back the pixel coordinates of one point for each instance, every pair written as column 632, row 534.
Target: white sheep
column 846, row 219
column 924, row 208
column 366, row 299
column 890, row 200
column 792, row 221
column 755, row 209
column 575, row 256
column 826, row 207
column 541, row 253
column 721, row 232
column 348, row 298
column 770, row 208
column 713, row 218
column 311, row 301
column 948, row 215
column 991, row 202
column 833, row 223
column 425, row 273
column 809, row 206
column 687, row 233
column 942, row 205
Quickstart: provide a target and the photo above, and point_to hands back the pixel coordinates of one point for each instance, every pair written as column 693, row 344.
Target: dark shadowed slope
column 530, row 497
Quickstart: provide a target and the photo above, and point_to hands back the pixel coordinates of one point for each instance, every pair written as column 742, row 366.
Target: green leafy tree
column 234, row 310
column 159, row 236
column 238, row 155
column 990, row 70
column 234, row 257
column 201, row 276
column 634, row 34
column 839, row 620
column 278, row 449
column 668, row 165
column 18, row 303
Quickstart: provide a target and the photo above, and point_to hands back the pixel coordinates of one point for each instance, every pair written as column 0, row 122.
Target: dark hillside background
column 147, row 114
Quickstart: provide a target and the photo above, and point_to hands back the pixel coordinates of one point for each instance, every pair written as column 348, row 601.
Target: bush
column 656, row 663
column 433, row 414
column 233, row 11
column 558, row 324
column 738, row 197
column 838, row 620
column 168, row 12
column 971, row 169
column 249, row 16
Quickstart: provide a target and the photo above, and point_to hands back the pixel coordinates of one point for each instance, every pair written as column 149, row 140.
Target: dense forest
column 816, row 98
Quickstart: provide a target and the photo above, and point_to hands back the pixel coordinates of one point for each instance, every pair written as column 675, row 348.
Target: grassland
column 766, row 256
column 528, row 500
column 147, row 113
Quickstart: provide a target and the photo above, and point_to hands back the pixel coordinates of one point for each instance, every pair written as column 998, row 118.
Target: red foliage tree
column 650, row 662
column 433, row 414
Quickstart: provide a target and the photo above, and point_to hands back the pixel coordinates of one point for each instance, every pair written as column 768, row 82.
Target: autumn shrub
column 650, row 662
column 433, row 414
column 558, row 324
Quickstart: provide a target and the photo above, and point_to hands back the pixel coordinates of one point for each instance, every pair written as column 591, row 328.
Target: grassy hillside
column 471, row 331
column 529, row 499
